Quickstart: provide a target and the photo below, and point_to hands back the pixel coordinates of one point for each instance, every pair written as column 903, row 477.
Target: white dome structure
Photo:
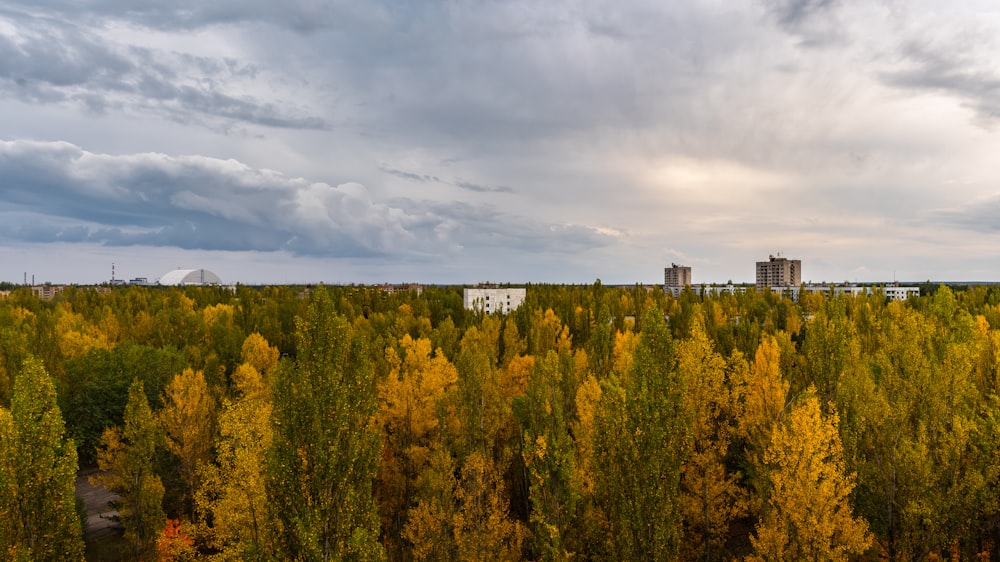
column 190, row 277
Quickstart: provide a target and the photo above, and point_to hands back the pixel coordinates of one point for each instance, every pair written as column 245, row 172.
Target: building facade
column 707, row 290
column 493, row 299
column 891, row 292
column 393, row 288
column 778, row 272
column 46, row 292
column 676, row 276
column 895, row 292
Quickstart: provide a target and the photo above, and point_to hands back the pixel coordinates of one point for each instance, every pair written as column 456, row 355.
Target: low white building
column 897, row 293
column 708, row 290
column 493, row 299
column 891, row 292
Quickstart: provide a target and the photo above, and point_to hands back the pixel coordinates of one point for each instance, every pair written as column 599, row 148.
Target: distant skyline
column 459, row 141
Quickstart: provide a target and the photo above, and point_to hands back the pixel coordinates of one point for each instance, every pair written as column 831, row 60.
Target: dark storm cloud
column 794, row 13
column 813, row 21
column 47, row 62
column 468, row 77
column 483, row 188
column 59, row 192
column 412, row 176
column 951, row 69
column 301, row 15
column 483, row 227
column 426, row 178
column 981, row 215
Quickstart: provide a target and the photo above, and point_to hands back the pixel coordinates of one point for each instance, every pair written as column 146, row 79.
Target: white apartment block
column 778, row 272
column 490, row 300
column 704, row 290
column 897, row 293
column 891, row 292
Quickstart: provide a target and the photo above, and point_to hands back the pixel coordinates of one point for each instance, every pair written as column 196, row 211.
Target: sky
column 462, row 141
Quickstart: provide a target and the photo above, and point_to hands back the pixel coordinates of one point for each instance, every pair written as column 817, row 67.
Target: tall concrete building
column 779, row 272
column 676, row 276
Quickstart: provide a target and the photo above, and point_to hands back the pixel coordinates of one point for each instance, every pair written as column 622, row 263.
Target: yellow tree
column 624, row 351
column 588, row 398
column 408, row 401
column 584, row 429
column 544, row 332
column 483, row 530
column 76, row 336
column 809, row 517
column 187, row 419
column 764, row 393
column 430, row 524
column 259, row 354
column 710, row 495
column 514, row 376
column 233, row 492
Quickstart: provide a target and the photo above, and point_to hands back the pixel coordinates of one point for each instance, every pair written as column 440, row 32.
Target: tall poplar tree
column 642, row 436
column 188, row 419
column 324, row 457
column 126, row 457
column 710, row 495
column 232, row 493
column 549, row 460
column 38, row 517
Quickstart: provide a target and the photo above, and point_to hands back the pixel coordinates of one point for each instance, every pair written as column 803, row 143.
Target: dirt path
column 103, row 532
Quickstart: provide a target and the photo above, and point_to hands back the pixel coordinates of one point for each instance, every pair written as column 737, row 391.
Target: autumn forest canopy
column 592, row 423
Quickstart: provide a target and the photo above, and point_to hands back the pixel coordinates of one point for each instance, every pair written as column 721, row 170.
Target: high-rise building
column 676, row 276
column 779, row 272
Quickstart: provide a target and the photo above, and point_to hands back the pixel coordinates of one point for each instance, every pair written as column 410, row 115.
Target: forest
column 592, row 423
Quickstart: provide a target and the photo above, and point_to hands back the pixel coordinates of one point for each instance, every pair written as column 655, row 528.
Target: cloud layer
column 56, row 191
column 516, row 138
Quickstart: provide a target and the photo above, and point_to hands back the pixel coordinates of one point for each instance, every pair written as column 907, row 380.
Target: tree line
column 596, row 423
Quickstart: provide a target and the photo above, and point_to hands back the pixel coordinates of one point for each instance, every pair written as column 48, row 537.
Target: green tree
column 548, row 456
column 430, row 525
column 642, row 437
column 324, row 458
column 126, row 457
column 486, row 421
column 37, row 472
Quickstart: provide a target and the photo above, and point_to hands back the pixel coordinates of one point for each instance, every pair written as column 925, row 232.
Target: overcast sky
column 459, row 141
